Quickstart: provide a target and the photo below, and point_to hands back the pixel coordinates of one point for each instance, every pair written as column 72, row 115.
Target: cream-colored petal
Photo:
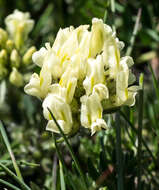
column 98, row 125
column 101, row 90
column 121, row 85
column 61, row 111
column 95, row 74
column 39, row 56
column 97, row 37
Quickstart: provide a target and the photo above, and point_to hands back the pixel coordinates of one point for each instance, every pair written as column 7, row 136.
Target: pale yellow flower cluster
column 82, row 74
column 15, row 54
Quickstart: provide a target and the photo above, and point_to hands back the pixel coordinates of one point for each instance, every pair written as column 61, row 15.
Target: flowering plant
column 15, row 53
column 82, row 73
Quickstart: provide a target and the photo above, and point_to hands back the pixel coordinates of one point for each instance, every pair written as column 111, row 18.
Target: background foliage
column 34, row 148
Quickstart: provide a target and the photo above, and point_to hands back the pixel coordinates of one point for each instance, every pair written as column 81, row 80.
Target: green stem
column 140, row 118
column 131, row 138
column 9, row 172
column 112, row 4
column 68, row 177
column 70, row 150
column 62, row 180
column 155, row 83
column 119, row 153
column 58, row 152
column 136, row 27
column 135, row 130
column 105, row 16
column 9, row 184
column 5, row 138
column 54, row 173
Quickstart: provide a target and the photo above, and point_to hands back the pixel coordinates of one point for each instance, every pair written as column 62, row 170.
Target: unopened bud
column 27, row 58
column 3, row 72
column 15, row 58
column 3, row 37
column 16, row 77
column 26, row 77
column 19, row 41
column 9, row 45
column 3, row 57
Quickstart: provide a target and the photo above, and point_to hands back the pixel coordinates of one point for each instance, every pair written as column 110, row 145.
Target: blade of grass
column 62, row 180
column 9, row 184
column 131, row 138
column 105, row 16
column 42, row 19
column 60, row 158
column 54, row 172
column 58, row 152
column 10, row 173
column 112, row 4
column 135, row 130
column 5, row 138
column 9, row 162
column 70, row 150
column 136, row 27
column 155, row 83
column 119, row 153
column 29, row 163
column 140, row 119
column 62, row 161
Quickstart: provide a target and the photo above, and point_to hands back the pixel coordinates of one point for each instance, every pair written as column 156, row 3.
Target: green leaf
column 41, row 22
column 5, row 138
column 155, row 82
column 9, row 184
column 10, row 173
column 34, row 186
column 70, row 150
column 153, row 34
column 62, row 180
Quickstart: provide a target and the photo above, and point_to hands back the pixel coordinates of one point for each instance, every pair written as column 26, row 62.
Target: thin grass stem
column 58, row 152
column 105, row 16
column 9, row 184
column 112, row 4
column 120, row 185
column 155, row 83
column 62, row 180
column 140, row 119
column 135, row 130
column 135, row 30
column 54, row 173
column 5, row 138
column 10, row 173
column 70, row 150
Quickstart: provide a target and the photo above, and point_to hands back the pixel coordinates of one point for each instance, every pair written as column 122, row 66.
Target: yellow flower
column 88, row 75
column 91, row 113
column 61, row 111
column 19, row 26
column 95, row 74
column 39, row 85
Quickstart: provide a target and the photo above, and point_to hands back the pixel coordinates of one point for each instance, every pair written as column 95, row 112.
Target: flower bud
column 3, row 57
column 16, row 78
column 97, row 38
column 9, row 45
column 19, row 26
column 27, row 58
column 15, row 58
column 18, row 40
column 3, row 72
column 3, row 37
